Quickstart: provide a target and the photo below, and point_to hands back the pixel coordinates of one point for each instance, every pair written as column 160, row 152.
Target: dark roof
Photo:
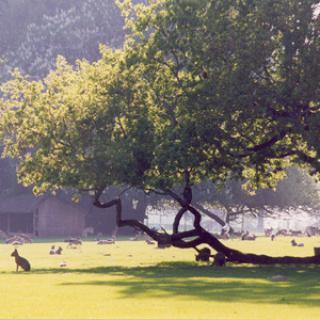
column 24, row 203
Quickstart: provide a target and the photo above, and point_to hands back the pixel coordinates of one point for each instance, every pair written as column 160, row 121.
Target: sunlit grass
column 133, row 280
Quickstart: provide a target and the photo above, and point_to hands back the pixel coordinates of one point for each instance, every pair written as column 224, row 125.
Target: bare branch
column 209, row 214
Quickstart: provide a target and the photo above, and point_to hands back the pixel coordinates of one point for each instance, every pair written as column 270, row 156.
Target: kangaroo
column 20, row 261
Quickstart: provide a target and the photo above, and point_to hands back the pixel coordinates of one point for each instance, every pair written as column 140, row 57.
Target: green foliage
column 215, row 89
column 76, row 128
column 237, row 85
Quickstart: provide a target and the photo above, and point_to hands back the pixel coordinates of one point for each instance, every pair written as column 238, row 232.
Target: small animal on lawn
column 219, row 259
column 63, row 264
column 295, row 244
column 203, row 255
column 58, row 251
column 163, row 245
column 52, row 250
column 106, row 241
column 20, row 261
column 73, row 243
column 248, row 236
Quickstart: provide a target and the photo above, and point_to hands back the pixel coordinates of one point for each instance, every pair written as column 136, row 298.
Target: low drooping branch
column 198, row 236
column 129, row 222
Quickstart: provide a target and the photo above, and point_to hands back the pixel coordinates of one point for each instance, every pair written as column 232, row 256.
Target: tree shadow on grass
column 233, row 283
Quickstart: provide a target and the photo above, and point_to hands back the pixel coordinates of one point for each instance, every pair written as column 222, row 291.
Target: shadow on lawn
column 229, row 284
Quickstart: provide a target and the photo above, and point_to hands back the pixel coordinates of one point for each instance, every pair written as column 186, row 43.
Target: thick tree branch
column 201, row 236
column 177, row 220
column 264, row 145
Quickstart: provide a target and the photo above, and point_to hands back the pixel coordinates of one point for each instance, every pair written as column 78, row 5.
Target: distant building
column 43, row 216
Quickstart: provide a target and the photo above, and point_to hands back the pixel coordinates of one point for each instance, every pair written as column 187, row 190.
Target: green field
column 133, row 280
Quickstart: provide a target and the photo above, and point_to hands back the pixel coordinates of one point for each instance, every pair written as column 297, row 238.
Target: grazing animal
column 107, row 241
column 282, row 232
column 247, row 236
column 52, row 250
column 73, row 243
column 20, row 261
column 63, row 264
column 203, row 255
column 163, row 245
column 219, row 259
column 58, row 251
column 295, row 244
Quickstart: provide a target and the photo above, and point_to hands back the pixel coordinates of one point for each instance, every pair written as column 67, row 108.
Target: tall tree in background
column 34, row 32
column 297, row 191
column 74, row 32
column 207, row 105
column 17, row 15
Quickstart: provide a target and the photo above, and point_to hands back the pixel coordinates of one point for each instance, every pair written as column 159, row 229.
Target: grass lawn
column 133, row 280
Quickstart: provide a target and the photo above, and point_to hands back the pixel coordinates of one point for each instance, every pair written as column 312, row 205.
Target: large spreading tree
column 201, row 90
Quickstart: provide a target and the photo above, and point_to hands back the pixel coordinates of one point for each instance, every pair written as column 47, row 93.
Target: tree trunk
column 260, row 223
